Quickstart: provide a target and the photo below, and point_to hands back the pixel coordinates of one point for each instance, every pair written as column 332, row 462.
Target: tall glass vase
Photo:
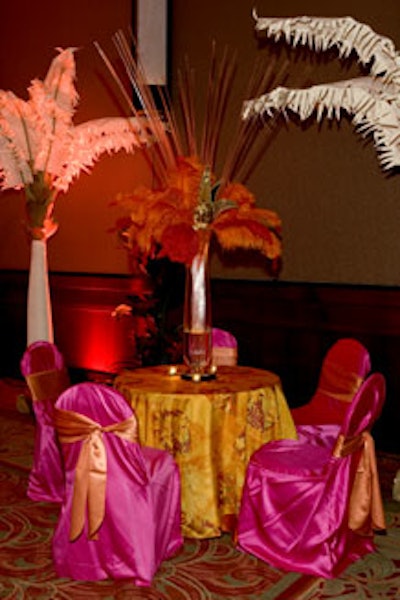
column 197, row 327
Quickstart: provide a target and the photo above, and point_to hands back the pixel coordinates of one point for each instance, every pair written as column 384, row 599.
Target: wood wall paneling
column 284, row 327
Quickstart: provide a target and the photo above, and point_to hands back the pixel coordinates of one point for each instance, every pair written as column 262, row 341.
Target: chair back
column 224, row 347
column 343, row 369
column 41, row 356
column 99, row 402
column 356, row 445
column 120, row 517
column 366, row 406
column 345, row 366
column 312, row 505
column 43, row 367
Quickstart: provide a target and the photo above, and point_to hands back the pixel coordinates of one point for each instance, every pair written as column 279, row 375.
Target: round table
column 211, row 428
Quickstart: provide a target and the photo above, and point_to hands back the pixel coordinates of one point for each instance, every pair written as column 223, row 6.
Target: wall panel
column 283, row 327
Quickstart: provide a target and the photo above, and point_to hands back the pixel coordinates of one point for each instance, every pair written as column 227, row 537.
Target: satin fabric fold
column 141, row 526
column 42, row 365
column 311, row 505
column 366, row 513
column 224, row 356
column 343, row 369
column 339, row 382
column 48, row 384
column 224, row 347
column 91, row 468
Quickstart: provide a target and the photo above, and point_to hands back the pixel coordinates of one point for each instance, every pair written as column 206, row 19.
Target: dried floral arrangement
column 165, row 220
column 372, row 101
column 168, row 222
column 152, row 314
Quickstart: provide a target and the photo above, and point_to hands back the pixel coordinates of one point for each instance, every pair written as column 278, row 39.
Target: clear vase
column 197, row 327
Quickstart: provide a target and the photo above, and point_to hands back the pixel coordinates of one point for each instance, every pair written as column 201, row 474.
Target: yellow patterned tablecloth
column 211, row 428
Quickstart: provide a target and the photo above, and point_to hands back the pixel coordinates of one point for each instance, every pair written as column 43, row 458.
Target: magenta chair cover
column 224, row 347
column 344, row 368
column 300, row 507
column 142, row 519
column 43, row 367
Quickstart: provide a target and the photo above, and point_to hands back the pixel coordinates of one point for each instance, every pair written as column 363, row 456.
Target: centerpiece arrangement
column 42, row 152
column 188, row 204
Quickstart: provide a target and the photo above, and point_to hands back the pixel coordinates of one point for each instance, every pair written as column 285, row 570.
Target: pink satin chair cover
column 313, row 507
column 142, row 519
column 344, row 368
column 224, row 347
column 43, row 367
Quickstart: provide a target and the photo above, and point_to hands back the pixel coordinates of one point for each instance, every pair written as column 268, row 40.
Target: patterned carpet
column 206, row 569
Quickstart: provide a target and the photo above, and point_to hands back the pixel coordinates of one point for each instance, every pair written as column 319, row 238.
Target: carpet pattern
column 203, row 569
column 376, row 576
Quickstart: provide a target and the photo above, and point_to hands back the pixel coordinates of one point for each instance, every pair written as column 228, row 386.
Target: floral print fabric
column 211, row 428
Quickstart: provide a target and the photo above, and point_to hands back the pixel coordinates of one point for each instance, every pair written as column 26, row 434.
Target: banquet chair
column 43, row 368
column 312, row 508
column 344, row 368
column 224, row 347
column 121, row 515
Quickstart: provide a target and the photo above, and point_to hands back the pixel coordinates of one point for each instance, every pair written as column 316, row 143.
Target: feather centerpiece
column 188, row 205
column 165, row 219
column 372, row 101
column 42, row 152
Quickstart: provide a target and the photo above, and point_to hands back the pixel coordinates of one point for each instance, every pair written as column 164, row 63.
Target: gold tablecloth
column 211, row 428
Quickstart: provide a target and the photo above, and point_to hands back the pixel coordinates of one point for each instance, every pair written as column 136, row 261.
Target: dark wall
column 286, row 328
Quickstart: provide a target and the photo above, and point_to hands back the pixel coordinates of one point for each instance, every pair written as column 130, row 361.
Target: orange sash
column 48, row 385
column 337, row 382
column 91, row 468
column 366, row 512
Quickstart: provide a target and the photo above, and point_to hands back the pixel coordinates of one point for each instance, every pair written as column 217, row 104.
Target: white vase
column 39, row 313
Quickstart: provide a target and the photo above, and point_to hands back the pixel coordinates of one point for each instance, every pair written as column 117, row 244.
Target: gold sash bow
column 91, row 468
column 48, row 385
column 366, row 512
